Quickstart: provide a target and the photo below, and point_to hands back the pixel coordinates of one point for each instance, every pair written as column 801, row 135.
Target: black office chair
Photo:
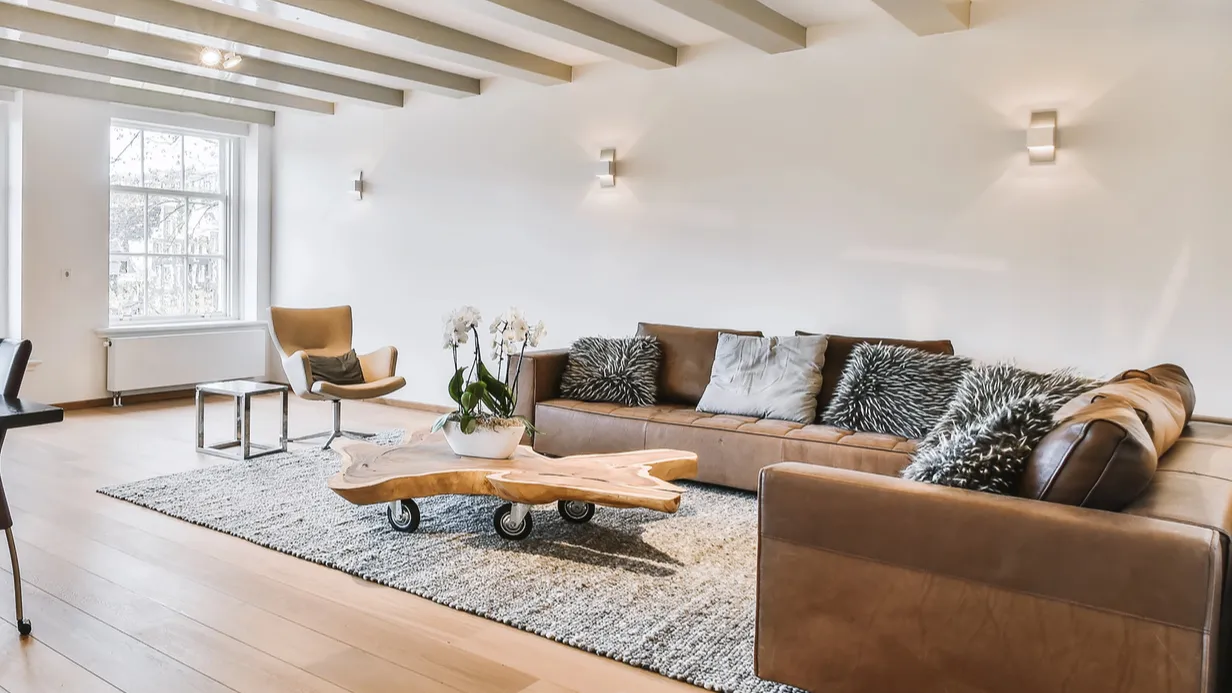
column 14, row 355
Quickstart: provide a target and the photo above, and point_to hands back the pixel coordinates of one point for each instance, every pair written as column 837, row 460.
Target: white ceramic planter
column 490, row 443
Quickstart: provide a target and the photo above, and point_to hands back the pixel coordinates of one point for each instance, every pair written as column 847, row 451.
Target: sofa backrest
column 688, row 357
column 839, row 349
column 1105, row 448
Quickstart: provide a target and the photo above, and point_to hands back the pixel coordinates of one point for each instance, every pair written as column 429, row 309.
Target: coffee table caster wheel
column 510, row 528
column 578, row 512
column 24, row 627
column 403, row 515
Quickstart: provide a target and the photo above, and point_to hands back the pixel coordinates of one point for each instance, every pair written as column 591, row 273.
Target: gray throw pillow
column 998, row 415
column 766, row 377
column 894, row 389
column 622, row 371
column 339, row 370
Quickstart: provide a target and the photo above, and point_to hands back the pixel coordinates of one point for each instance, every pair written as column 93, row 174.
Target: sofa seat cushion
column 731, row 449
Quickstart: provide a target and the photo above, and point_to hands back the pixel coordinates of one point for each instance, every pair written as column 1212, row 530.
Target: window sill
column 152, row 329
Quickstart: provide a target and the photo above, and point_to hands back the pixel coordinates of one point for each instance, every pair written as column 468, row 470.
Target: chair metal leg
column 23, row 626
column 336, row 432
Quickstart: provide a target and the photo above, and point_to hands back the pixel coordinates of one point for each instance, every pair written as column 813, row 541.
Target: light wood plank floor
column 126, row 599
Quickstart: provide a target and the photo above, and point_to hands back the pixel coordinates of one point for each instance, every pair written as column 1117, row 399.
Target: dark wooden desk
column 20, row 413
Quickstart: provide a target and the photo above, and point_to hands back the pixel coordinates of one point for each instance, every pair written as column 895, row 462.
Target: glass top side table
column 241, row 446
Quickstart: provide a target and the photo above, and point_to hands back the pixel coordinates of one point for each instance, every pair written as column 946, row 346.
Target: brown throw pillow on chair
column 339, row 370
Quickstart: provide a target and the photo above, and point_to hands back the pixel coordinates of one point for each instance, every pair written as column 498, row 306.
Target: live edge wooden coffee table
column 428, row 467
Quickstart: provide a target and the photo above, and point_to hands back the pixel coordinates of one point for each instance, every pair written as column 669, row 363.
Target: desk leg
column 23, row 626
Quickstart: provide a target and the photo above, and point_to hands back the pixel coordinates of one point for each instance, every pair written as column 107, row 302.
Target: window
column 173, row 233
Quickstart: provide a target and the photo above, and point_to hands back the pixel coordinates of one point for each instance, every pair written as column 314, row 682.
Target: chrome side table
column 242, row 391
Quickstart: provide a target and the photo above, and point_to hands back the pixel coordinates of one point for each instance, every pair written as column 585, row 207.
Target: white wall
column 875, row 183
column 62, row 224
column 58, row 206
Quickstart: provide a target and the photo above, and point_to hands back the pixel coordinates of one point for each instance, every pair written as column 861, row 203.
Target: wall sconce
column 358, row 186
column 1042, row 137
column 606, row 170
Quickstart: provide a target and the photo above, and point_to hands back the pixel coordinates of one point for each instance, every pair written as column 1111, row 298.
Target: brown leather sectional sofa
column 1108, row 573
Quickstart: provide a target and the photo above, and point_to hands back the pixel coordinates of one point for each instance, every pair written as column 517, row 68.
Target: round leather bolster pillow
column 1108, row 441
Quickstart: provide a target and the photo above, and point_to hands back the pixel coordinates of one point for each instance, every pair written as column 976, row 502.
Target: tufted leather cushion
column 1107, row 444
column 839, row 348
column 688, row 356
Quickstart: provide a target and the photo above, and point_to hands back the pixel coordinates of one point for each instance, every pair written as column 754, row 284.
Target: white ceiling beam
column 103, row 91
column 68, row 60
column 199, row 20
column 460, row 47
column 926, row 17
column 748, row 21
column 115, row 38
column 571, row 24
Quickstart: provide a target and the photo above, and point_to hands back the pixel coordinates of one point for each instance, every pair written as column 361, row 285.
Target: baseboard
column 142, row 398
column 407, row 404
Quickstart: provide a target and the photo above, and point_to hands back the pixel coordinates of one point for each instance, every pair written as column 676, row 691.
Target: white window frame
column 231, row 153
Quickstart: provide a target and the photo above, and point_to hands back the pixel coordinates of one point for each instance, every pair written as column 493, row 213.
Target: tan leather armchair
column 302, row 332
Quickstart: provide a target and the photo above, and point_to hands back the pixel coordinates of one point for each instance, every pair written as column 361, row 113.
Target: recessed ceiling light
column 232, row 61
column 211, row 57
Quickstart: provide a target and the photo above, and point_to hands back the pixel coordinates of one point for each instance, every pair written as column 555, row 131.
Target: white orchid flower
column 537, row 333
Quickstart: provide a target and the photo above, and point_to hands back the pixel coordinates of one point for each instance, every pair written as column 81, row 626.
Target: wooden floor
column 126, row 599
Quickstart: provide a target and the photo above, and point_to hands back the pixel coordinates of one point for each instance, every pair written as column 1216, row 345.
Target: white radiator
column 148, row 362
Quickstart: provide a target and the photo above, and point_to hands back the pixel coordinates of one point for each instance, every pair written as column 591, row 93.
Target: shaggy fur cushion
column 998, row 415
column 624, row 371
column 894, row 389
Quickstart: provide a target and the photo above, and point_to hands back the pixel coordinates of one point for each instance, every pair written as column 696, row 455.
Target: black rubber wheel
column 24, row 627
column 577, row 512
column 510, row 531
column 408, row 520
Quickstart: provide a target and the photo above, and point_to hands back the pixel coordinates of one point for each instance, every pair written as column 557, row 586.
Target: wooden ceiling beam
column 80, row 62
column 575, row 26
column 457, row 46
column 199, row 20
column 32, row 21
column 748, row 21
column 47, row 83
column 926, row 17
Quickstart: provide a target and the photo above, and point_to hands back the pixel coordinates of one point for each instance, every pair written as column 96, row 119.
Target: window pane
column 126, row 292
column 166, row 286
column 202, row 164
column 167, row 229
column 205, row 227
column 127, row 222
column 164, row 160
column 205, row 286
column 125, row 156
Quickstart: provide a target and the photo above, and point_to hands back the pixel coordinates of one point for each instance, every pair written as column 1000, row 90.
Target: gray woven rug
column 670, row 593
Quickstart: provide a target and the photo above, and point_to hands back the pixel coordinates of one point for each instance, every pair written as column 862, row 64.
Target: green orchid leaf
column 455, row 385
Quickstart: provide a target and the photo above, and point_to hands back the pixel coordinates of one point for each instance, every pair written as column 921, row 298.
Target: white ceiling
column 473, row 17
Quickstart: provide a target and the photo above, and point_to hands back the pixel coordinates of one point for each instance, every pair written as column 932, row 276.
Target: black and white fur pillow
column 999, row 414
column 894, row 389
column 623, row 371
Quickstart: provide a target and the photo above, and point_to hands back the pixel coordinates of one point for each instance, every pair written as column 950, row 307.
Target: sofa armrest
column 867, row 582
column 538, row 378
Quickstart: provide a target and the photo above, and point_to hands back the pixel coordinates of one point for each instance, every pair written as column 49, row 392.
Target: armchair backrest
column 14, row 357
column 315, row 331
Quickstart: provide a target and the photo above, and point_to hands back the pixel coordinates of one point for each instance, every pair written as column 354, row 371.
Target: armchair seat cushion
column 375, row 388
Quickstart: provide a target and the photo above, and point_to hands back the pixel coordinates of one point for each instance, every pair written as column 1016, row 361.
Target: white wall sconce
column 357, row 186
column 1042, row 137
column 606, row 169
